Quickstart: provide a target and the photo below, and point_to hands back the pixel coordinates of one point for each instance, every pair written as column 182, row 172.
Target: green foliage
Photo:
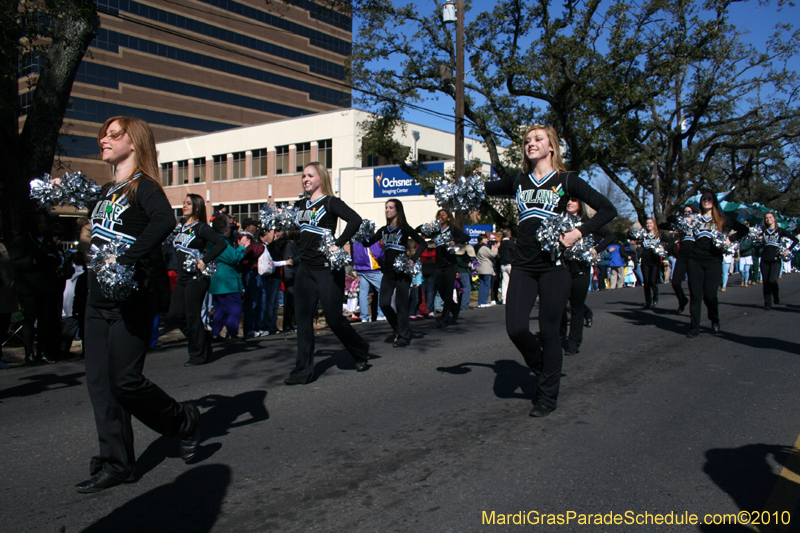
column 617, row 80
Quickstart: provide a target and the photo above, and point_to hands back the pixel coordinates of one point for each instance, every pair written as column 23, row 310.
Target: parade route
column 436, row 436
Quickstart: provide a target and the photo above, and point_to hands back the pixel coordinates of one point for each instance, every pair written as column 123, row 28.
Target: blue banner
column 392, row 181
column 474, row 231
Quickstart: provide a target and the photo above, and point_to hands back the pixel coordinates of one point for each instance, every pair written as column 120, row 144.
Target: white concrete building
column 246, row 167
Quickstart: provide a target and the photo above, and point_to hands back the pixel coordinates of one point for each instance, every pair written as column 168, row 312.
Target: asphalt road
column 435, row 435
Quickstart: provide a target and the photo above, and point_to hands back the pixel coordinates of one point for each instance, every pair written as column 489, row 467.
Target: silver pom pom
column 337, row 259
column 75, row 189
column 116, row 280
column 175, row 232
column 429, row 230
column 190, row 264
column 688, row 223
column 401, row 265
column 464, row 195
column 286, row 218
column 365, row 232
column 550, row 231
column 636, row 234
column 581, row 251
column 755, row 234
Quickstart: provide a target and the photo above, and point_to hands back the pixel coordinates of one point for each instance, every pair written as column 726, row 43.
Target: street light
column 455, row 13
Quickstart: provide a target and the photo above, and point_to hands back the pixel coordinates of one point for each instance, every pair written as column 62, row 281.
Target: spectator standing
column 367, row 261
column 253, row 284
column 486, row 255
column 272, row 286
column 428, row 288
column 226, row 285
column 465, row 255
column 505, row 256
column 616, row 267
column 291, row 254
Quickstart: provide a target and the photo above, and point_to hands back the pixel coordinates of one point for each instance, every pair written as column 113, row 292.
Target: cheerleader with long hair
column 771, row 258
column 542, row 190
column 447, row 267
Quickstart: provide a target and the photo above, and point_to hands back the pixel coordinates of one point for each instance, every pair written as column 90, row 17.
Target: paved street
column 435, row 434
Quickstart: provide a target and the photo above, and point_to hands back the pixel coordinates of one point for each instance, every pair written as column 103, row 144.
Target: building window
column 178, row 211
column 242, row 211
column 239, row 165
column 325, row 155
column 183, row 172
column 302, row 156
column 166, row 174
column 372, row 160
column 220, row 167
column 260, row 162
column 200, row 170
column 282, row 160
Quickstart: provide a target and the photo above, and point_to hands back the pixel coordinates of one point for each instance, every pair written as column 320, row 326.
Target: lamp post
column 454, row 12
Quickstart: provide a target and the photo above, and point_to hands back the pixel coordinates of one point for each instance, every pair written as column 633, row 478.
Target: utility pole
column 459, row 151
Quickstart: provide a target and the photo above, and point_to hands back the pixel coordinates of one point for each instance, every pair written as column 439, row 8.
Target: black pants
column 116, row 342
column 678, row 273
column 288, row 306
column 704, row 280
column 650, row 277
column 578, row 310
column 602, row 274
column 769, row 277
column 445, row 284
column 42, row 315
column 391, row 281
column 544, row 358
column 327, row 287
column 185, row 309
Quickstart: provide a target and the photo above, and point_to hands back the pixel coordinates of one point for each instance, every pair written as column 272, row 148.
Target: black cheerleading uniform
column 186, row 305
column 535, row 273
column 394, row 241
column 705, row 270
column 650, row 264
column 117, row 333
column 685, row 244
column 581, row 278
column 771, row 263
column 446, row 271
column 316, row 282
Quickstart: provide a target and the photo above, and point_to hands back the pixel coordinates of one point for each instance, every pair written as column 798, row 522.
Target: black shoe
column 571, row 351
column 655, row 303
column 541, row 409
column 681, row 308
column 441, row 324
column 101, row 481
column 715, row 327
column 587, row 322
column 692, row 333
column 192, row 363
column 400, row 343
column 777, row 300
column 30, row 360
column 190, row 440
column 767, row 306
column 44, row 360
column 294, row 381
column 646, row 306
column 233, row 339
column 361, row 366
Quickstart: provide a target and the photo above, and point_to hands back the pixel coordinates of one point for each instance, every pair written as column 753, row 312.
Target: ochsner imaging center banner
column 392, row 181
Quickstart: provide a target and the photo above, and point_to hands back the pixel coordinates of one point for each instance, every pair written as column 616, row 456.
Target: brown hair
column 555, row 149
column 198, row 208
column 446, row 212
column 716, row 212
column 324, row 177
column 144, row 152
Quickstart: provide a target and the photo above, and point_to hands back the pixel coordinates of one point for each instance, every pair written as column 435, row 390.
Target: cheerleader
column 542, row 190
column 194, row 234
column 315, row 281
column 771, row 258
column 682, row 260
column 581, row 278
column 134, row 208
column 394, row 240
column 446, row 268
column 651, row 262
column 705, row 262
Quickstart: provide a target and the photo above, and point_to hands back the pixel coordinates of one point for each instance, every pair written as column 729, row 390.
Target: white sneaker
column 492, row 303
column 380, row 319
column 263, row 333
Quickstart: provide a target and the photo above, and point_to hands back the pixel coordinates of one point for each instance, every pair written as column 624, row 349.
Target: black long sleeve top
column 143, row 224
column 394, row 241
column 772, row 239
column 445, row 259
column 196, row 236
column 704, row 249
column 317, row 217
column 538, row 199
column 649, row 245
column 685, row 243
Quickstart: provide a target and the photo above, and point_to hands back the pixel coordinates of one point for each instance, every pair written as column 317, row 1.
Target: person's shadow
column 340, row 359
column 221, row 416
column 191, row 503
column 745, row 474
column 41, row 383
column 510, row 377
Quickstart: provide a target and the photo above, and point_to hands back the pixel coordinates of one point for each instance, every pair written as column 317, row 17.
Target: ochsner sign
column 392, row 181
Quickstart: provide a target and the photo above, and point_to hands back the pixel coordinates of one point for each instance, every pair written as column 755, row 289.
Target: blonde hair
column 556, row 160
column 144, row 151
column 324, row 177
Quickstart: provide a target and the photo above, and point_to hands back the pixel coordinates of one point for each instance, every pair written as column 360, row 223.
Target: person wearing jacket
column 616, row 265
column 505, row 254
column 486, row 255
column 367, row 261
column 226, row 285
column 253, row 283
column 291, row 254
